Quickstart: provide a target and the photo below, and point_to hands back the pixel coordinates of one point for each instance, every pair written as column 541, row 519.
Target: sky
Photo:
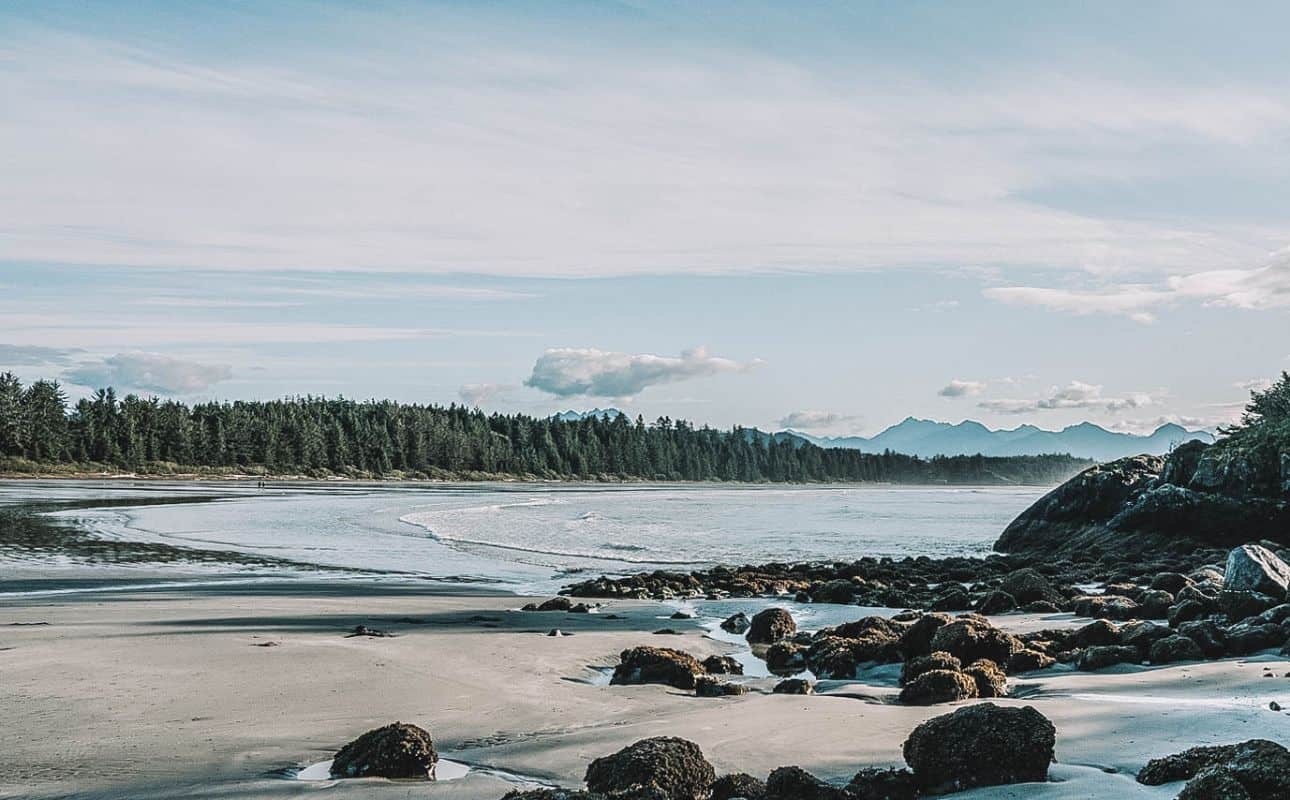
column 824, row 216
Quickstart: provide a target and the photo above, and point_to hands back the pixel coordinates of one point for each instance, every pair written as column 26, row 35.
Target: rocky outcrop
column 980, row 745
column 938, row 686
column 664, row 767
column 1256, row 769
column 770, row 626
column 969, row 639
column 657, row 665
column 1206, row 495
column 738, row 785
column 398, row 750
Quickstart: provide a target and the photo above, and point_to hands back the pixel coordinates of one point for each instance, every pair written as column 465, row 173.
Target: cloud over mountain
column 569, row 371
column 1075, row 395
column 815, row 420
column 958, row 388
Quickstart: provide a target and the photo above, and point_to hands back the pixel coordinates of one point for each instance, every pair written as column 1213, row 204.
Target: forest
column 321, row 437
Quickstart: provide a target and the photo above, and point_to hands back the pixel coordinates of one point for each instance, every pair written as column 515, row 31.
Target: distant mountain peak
column 601, row 413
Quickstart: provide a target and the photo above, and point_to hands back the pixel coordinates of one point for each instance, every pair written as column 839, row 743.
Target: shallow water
column 531, row 536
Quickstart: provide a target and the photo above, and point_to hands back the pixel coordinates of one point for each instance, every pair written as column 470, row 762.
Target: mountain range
column 923, row 437
column 926, row 438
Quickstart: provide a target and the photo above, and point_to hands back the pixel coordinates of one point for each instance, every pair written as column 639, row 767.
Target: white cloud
column 566, row 371
column 816, row 420
column 1254, row 385
column 151, row 372
column 1133, row 301
column 958, row 388
column 1075, row 395
column 13, row 355
column 1259, row 288
column 1190, row 422
column 476, row 394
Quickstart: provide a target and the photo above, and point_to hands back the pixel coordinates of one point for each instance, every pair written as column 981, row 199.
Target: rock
column 980, row 745
column 917, row 639
column 834, row 657
column 786, row 658
column 795, row 783
column 1255, row 569
column 729, row 787
column 363, row 630
column 1250, row 637
column 841, row 591
column 1180, row 465
column 1029, row 660
column 1171, row 582
column 883, row 784
column 549, row 794
column 681, row 615
column 1186, row 611
column 969, row 640
column 1154, row 604
column 1104, row 606
column 736, row 623
column 1215, row 783
column 1211, row 639
column 554, row 604
column 556, row 632
column 581, row 608
column 1142, row 635
column 722, row 665
column 674, row 768
column 1098, row 632
column 664, row 665
column 1239, row 605
column 708, row 686
column 398, row 750
column 1175, row 648
column 941, row 660
column 938, row 686
column 1028, row 585
column 1092, row 659
column 794, row 686
column 997, row 603
column 956, row 599
column 990, row 680
column 1261, row 767
column 770, row 626
column 1041, row 607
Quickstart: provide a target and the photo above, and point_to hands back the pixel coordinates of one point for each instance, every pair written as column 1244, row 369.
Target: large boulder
column 663, row 665
column 1260, row 767
column 1175, row 648
column 1028, row 585
column 917, row 666
column 770, row 626
column 938, row 686
column 917, row 638
column 980, row 745
column 1092, row 659
column 836, row 657
column 991, row 681
column 883, row 784
column 738, row 785
column 397, row 750
column 971, row 639
column 1252, row 568
column 671, row 768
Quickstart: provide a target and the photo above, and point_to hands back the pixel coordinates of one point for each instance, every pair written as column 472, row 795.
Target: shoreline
column 100, row 703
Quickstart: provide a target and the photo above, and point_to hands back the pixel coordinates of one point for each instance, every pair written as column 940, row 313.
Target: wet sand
column 169, row 693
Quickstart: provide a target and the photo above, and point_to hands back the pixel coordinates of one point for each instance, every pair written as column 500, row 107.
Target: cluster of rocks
column 670, row 667
column 1253, row 770
column 980, row 745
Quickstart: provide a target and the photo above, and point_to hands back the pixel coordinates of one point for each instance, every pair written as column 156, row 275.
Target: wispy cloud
column 1133, row 301
column 12, row 355
column 1075, row 395
column 477, row 394
column 960, row 388
column 810, row 420
column 150, row 372
column 566, row 372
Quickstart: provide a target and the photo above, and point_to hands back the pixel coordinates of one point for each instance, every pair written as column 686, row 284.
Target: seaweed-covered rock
column 917, row 638
column 1250, row 637
column 1029, row 660
column 971, row 639
column 1211, row 639
column 739, row 784
column 795, row 783
column 708, row 686
column 1143, row 635
column 794, row 686
column 997, row 602
column 1092, row 659
column 770, row 626
column 1261, row 767
column 397, row 750
column 1215, row 783
column 938, row 686
column 664, row 665
column 913, row 668
column 991, row 681
column 1106, row 606
column 980, row 745
column 1175, row 648
column 786, row 658
column 722, row 665
column 1028, row 585
column 883, row 784
column 736, row 623
column 550, row 794
column 837, row 657
column 673, row 767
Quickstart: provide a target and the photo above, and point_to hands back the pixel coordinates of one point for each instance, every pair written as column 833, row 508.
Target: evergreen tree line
column 320, row 437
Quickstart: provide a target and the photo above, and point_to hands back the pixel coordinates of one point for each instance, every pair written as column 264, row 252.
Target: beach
column 225, row 690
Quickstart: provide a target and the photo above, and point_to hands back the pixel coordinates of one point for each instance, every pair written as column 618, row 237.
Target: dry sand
column 139, row 694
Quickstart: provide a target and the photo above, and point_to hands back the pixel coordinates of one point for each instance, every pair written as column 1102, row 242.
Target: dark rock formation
column 398, row 750
column 917, row 666
column 550, row 794
column 739, row 784
column 1028, row 585
column 795, row 783
column 1175, row 648
column 1092, row 659
column 786, row 658
column 736, row 624
column 997, row 602
column 1258, row 767
column 971, row 639
column 672, row 768
column 980, row 745
column 883, row 784
column 708, row 686
column 938, row 686
column 770, row 626
column 657, row 665
column 794, row 686
column 1251, row 568
column 991, row 681
column 722, row 665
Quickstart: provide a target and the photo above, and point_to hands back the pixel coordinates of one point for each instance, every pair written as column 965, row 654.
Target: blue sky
column 824, row 215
